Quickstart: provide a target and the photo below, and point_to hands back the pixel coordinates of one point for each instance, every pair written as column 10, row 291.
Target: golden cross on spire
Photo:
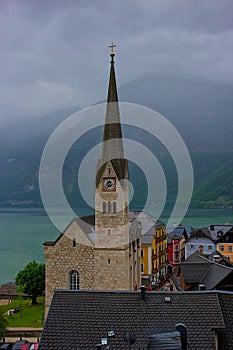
column 112, row 53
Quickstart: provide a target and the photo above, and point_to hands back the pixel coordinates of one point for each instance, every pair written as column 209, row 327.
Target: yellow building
column 159, row 251
column 153, row 250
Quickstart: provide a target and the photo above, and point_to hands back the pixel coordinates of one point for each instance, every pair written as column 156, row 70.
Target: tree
column 32, row 280
column 3, row 323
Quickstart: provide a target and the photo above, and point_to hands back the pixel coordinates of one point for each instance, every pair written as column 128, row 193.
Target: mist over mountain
column 200, row 110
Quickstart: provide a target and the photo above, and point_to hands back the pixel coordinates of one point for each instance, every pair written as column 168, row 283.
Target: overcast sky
column 54, row 53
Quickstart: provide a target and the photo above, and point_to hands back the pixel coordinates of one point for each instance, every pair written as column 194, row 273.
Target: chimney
column 143, row 293
column 180, row 327
column 202, row 287
column 216, row 257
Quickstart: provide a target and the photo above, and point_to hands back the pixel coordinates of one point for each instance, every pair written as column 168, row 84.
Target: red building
column 176, row 244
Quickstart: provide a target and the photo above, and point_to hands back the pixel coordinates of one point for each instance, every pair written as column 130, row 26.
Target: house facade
column 153, row 251
column 199, row 240
column 223, row 235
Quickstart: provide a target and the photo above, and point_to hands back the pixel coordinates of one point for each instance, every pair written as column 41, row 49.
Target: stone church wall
column 63, row 258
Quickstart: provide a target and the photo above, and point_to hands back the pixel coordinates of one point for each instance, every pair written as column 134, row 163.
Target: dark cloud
column 54, row 53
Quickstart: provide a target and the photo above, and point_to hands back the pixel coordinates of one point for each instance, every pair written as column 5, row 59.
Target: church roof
column 79, row 319
column 145, row 226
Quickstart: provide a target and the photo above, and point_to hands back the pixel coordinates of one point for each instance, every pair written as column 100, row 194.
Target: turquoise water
column 22, row 233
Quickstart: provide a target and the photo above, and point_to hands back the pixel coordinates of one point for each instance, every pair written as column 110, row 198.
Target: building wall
column 144, row 260
column 226, row 249
column 108, row 271
column 204, row 244
column 159, row 251
column 61, row 259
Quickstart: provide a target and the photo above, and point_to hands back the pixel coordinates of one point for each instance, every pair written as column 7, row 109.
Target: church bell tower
column 112, row 199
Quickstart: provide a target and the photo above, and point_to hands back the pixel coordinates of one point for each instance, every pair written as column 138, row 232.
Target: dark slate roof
column 226, row 303
column 198, row 269
column 79, row 319
column 215, row 275
column 201, row 232
column 196, row 257
column 215, row 256
column 221, row 259
column 218, row 231
column 193, row 273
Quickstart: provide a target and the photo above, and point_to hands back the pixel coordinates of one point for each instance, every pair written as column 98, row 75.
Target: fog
column 54, row 54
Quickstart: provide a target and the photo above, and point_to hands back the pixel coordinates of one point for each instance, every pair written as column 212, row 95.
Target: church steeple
column 112, row 139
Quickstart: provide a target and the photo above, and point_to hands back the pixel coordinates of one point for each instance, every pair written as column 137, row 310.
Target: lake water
column 22, row 233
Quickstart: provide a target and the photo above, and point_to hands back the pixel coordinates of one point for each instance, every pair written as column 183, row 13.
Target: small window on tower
column 74, row 242
column 104, row 207
column 109, row 207
column 109, row 231
column 114, row 207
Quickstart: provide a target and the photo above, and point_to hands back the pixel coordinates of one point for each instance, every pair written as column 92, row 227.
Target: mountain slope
column 200, row 110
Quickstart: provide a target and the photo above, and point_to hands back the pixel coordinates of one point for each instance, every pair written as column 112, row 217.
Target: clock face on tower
column 109, row 184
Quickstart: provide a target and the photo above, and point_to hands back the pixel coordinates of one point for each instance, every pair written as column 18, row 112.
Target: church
column 102, row 251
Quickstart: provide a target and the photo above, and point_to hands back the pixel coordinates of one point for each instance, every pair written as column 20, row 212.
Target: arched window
column 74, row 280
column 104, row 207
column 114, row 207
column 109, row 207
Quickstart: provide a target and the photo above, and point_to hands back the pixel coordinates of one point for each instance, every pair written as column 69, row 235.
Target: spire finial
column 112, row 53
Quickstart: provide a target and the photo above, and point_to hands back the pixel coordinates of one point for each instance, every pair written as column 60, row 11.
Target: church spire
column 112, row 145
column 112, row 138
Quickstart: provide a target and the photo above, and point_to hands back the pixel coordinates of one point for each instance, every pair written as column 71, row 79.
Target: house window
column 209, row 247
column 176, row 247
column 74, row 280
column 192, row 246
column 142, row 253
column 221, row 248
column 230, row 248
column 176, row 257
column 104, row 207
column 142, row 267
column 74, row 242
column 153, row 252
